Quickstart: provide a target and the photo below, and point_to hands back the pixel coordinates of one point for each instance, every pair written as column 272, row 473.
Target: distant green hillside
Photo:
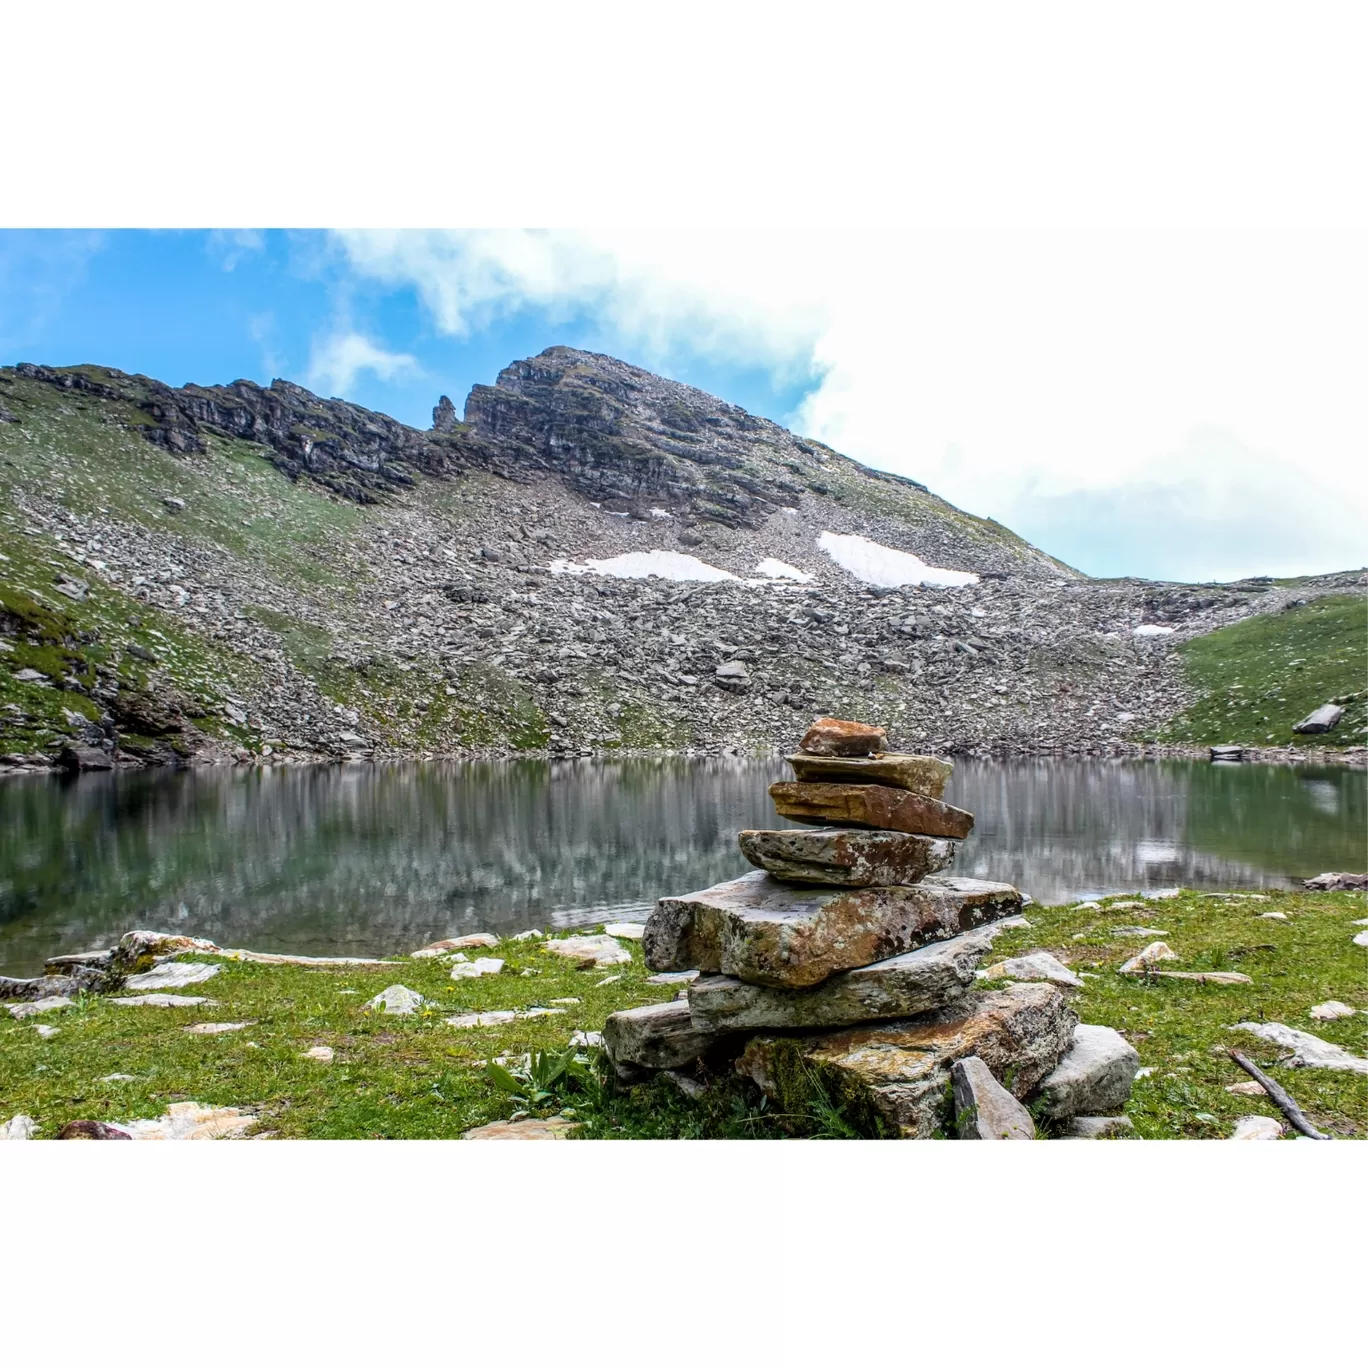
column 1260, row 677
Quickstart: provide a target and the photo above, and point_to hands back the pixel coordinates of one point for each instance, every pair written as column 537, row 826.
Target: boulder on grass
column 984, row 1109
column 1094, row 1078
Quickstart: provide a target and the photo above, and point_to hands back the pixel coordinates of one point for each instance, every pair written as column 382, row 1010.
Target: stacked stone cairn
column 849, row 961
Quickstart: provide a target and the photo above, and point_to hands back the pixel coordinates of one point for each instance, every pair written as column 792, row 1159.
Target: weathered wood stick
column 1281, row 1099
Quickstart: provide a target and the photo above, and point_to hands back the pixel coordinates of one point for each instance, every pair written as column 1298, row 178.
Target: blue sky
column 211, row 307
column 1164, row 403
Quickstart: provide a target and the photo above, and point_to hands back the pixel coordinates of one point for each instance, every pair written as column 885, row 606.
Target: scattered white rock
column 477, row 968
column 1124, row 904
column 1362, row 921
column 171, row 976
column 1272, row 916
column 534, row 934
column 1147, row 958
column 323, row 1053
column 677, row 976
column 1101, row 1128
column 1039, row 965
column 1145, row 1072
column 587, row 1040
column 216, row 1027
column 1309, row 1052
column 478, row 939
column 20, row 1010
column 565, row 1002
column 1138, row 931
column 1087, row 907
column 1361, row 938
column 531, row 1128
column 542, row 1011
column 396, row 1000
column 19, row 1127
column 1330, row 1011
column 626, row 930
column 591, row 951
column 1162, row 893
column 468, row 1021
column 163, row 1000
column 612, row 978
column 1250, row 1087
column 47, row 1032
column 192, row 1121
column 1257, row 1128
column 117, row 1078
column 1225, row 977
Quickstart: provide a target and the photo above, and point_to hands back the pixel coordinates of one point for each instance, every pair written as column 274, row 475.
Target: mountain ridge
column 246, row 572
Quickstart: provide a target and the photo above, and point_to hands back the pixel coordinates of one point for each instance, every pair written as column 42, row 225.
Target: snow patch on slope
column 670, row 565
column 1152, row 629
column 777, row 569
column 872, row 563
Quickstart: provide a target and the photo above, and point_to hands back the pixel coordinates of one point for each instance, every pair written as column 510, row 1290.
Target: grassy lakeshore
column 410, row 1077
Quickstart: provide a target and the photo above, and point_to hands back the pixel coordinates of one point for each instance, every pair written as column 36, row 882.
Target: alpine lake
column 379, row 860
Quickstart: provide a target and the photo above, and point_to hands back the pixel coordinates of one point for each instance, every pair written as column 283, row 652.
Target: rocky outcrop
column 353, row 451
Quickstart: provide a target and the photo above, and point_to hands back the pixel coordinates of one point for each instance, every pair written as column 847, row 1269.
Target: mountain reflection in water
column 362, row 860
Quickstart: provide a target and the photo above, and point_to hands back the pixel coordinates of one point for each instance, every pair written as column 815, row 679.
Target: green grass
column 1256, row 679
column 416, row 1077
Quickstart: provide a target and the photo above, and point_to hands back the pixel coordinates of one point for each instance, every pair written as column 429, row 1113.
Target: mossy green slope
column 1258, row 678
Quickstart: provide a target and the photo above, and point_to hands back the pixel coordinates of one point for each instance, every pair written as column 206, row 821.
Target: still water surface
column 361, row 860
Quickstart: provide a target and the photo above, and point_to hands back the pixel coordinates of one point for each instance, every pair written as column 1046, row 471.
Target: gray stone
column 171, row 976
column 903, row 986
column 20, row 1010
column 1036, row 966
column 1308, row 1051
column 81, row 759
column 661, row 1035
column 396, row 1000
column 1101, row 1128
column 838, row 855
column 762, row 931
column 1325, row 718
column 896, row 1073
column 923, row 774
column 1094, row 1078
column 589, row 951
column 162, row 1000
column 984, row 1109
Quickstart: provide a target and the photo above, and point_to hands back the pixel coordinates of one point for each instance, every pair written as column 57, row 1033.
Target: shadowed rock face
column 757, row 929
column 896, row 1073
column 351, row 450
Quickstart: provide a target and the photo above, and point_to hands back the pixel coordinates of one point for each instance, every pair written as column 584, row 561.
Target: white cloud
column 1032, row 374
column 336, row 360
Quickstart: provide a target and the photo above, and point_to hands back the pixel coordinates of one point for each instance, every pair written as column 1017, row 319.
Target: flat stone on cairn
column 870, row 805
column 922, row 774
column 848, row 957
column 838, row 855
column 763, row 931
column 832, row 736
